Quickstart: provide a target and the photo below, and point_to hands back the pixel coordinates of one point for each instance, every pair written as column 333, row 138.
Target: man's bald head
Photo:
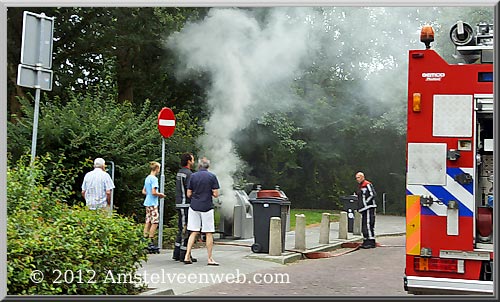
column 360, row 177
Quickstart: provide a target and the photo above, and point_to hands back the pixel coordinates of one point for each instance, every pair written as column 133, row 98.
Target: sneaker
column 152, row 246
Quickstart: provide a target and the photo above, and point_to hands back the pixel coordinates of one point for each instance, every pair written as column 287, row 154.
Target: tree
column 119, row 48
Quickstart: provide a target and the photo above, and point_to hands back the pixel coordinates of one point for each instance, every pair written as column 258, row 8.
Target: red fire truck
column 449, row 180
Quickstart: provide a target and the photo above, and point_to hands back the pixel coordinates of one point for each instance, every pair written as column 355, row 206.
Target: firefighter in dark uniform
column 182, row 206
column 367, row 205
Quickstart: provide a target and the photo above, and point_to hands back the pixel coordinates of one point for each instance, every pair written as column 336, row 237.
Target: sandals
column 211, row 262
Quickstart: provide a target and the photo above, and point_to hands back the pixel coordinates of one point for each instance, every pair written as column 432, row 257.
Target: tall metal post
column 383, row 203
column 112, row 191
column 37, row 94
column 35, row 125
column 162, row 190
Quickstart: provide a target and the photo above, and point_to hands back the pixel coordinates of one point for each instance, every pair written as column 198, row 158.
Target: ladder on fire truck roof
column 472, row 48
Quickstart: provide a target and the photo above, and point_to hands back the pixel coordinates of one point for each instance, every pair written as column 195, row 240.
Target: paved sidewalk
column 165, row 276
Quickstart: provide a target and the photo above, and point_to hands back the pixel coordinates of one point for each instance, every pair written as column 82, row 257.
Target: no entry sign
column 166, row 122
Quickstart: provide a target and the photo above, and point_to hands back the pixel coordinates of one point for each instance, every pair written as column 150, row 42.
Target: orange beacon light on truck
column 427, row 36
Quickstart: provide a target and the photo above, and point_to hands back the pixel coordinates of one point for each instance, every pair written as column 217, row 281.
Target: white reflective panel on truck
column 452, row 226
column 426, row 164
column 452, row 116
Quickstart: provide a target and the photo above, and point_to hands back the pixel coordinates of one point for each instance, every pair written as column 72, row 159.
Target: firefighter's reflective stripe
column 413, row 225
column 463, row 193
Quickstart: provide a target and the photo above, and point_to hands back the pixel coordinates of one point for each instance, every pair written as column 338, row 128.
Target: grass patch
column 313, row 216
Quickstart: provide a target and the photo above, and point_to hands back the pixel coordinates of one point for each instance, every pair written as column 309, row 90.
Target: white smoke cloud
column 248, row 63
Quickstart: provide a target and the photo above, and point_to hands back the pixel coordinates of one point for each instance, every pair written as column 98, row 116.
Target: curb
column 285, row 258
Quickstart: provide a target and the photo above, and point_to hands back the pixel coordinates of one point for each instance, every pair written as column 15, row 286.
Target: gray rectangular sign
column 36, row 48
column 34, row 77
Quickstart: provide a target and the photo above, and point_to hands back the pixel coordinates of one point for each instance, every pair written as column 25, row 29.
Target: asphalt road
column 370, row 272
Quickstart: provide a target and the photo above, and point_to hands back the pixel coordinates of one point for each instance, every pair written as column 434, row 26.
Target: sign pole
column 162, row 190
column 37, row 93
column 113, row 190
column 35, row 125
column 166, row 126
column 383, row 202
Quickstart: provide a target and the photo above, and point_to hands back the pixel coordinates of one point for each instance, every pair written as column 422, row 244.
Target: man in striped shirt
column 182, row 205
column 367, row 205
column 97, row 186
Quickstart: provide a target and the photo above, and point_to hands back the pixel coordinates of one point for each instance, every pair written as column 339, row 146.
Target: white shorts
column 203, row 221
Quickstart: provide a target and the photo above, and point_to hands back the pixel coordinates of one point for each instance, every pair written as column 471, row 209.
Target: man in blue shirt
column 202, row 186
column 152, row 193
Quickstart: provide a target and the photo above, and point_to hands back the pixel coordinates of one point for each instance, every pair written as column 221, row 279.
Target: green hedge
column 93, row 124
column 78, row 251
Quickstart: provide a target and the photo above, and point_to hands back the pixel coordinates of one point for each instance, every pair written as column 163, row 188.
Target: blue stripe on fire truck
column 463, row 193
column 452, row 172
column 443, row 195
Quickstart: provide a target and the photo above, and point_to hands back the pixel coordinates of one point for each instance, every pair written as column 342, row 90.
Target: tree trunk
column 14, row 107
column 125, row 77
column 125, row 90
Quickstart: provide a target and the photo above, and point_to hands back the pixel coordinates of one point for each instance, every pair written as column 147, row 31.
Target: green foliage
column 335, row 140
column 93, row 124
column 76, row 249
column 284, row 129
column 47, row 180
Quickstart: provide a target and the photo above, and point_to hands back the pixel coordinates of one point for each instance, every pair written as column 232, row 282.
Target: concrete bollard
column 275, row 236
column 356, row 229
column 300, row 232
column 343, row 225
column 324, row 229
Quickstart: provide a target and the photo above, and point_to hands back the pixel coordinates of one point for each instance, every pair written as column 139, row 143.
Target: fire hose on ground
column 348, row 247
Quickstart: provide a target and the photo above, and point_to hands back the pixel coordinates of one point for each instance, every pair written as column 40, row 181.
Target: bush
column 78, row 251
column 93, row 124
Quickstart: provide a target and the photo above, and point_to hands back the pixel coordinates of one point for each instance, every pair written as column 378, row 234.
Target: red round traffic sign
column 166, row 122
